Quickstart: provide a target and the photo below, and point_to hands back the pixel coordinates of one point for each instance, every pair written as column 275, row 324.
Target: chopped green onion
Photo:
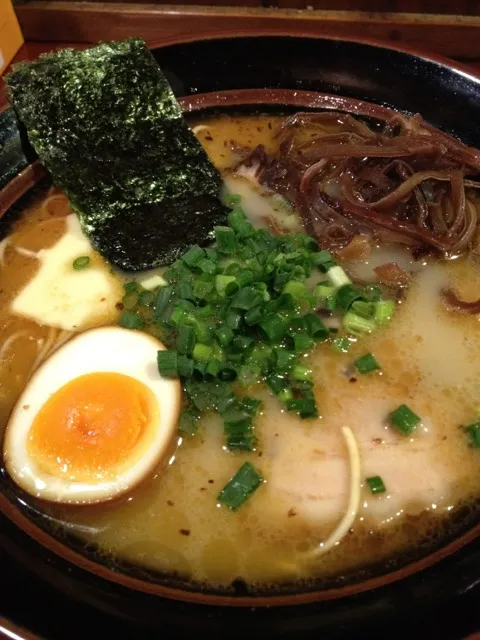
column 366, row 364
column 363, row 309
column 251, row 405
column 283, row 304
column 356, row 324
column 167, row 362
column 187, row 305
column 305, row 407
column 213, row 368
column 296, row 289
column 249, row 374
column 130, row 301
column 231, row 268
column 315, row 327
column 254, row 315
column 473, row 431
column 198, row 373
column 242, row 343
column 376, row 485
column 202, row 352
column 240, row 487
column 224, row 336
column 346, row 295
column 240, row 223
column 226, row 402
column 285, row 395
column 404, row 420
column 247, row 298
column 188, row 422
column 274, row 328
column 226, row 241
column 204, row 332
column 241, row 442
column 193, row 256
column 341, row 345
column 301, row 373
column 202, row 288
column 131, row 287
column 277, row 383
column 323, row 260
column 324, row 292
column 185, row 366
column 337, row 277
column 211, row 254
column 233, row 320
column 162, row 301
column 147, row 297
column 260, row 355
column 186, row 339
column 130, row 320
column 177, row 272
column 302, row 342
column 244, row 277
column 178, row 316
column 372, row 292
column 207, row 266
column 203, row 312
column 384, row 310
column 222, row 283
column 82, row 262
column 227, row 373
column 283, row 359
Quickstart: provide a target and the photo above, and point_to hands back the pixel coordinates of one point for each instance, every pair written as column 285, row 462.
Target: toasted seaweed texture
column 106, row 125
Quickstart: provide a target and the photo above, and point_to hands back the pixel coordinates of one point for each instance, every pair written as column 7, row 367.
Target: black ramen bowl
column 59, row 591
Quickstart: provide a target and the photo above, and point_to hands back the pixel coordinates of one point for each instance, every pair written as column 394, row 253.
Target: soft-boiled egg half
column 94, row 420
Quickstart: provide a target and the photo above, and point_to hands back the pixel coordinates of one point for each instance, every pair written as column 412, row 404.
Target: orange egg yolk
column 92, row 426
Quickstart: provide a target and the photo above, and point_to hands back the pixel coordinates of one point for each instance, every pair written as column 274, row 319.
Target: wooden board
column 454, row 7
column 454, row 36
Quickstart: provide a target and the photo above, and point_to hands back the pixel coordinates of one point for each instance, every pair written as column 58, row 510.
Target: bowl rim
column 310, row 34
column 20, row 185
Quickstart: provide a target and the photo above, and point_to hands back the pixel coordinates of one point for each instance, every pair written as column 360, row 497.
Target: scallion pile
column 246, row 311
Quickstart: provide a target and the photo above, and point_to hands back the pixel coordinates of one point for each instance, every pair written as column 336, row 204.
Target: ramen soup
column 379, row 462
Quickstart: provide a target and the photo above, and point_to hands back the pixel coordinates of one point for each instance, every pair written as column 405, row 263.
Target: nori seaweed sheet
column 106, row 125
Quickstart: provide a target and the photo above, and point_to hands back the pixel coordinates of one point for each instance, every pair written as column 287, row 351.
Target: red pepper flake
column 185, row 532
column 170, row 503
column 291, row 513
column 211, row 481
column 119, row 306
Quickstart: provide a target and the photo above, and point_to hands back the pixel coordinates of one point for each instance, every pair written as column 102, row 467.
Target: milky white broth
column 430, row 361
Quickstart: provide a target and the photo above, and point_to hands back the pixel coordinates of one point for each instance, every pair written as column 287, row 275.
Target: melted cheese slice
column 60, row 296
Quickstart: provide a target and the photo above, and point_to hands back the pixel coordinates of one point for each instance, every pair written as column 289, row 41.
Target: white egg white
column 105, row 349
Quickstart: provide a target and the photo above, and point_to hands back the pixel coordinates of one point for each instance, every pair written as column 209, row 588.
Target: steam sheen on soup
column 173, row 523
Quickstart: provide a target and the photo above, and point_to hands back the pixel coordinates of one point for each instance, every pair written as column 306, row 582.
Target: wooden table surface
column 58, row 21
